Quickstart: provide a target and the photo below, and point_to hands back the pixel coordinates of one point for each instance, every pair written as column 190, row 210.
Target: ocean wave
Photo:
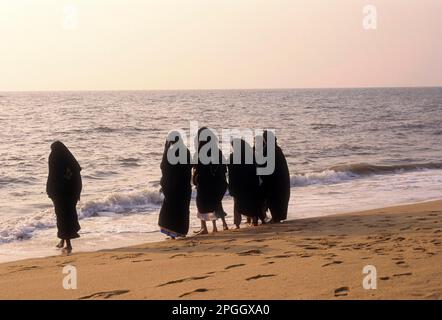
column 136, row 201
column 17, row 229
column 346, row 172
column 105, row 129
column 22, row 228
column 369, row 169
column 5, row 180
column 323, row 177
column 150, row 199
column 129, row 162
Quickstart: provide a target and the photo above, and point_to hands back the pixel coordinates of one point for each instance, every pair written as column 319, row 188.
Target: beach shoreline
column 312, row 258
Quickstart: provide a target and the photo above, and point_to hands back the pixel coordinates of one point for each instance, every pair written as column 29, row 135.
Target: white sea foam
column 323, row 177
column 136, row 201
column 119, row 203
column 342, row 173
column 22, row 228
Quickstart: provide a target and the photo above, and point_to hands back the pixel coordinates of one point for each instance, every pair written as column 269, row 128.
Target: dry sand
column 318, row 258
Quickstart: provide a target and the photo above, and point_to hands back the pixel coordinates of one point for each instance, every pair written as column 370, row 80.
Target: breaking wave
column 131, row 202
column 342, row 173
column 119, row 203
column 149, row 200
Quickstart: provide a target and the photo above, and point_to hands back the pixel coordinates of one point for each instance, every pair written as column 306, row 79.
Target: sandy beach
column 316, row 258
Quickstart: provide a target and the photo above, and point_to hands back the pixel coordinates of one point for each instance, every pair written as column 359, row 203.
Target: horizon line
column 225, row 89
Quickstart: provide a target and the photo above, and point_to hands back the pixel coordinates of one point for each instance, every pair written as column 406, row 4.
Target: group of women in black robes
column 253, row 195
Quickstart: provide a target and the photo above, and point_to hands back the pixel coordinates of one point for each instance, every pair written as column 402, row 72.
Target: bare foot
column 60, row 244
column 202, row 231
column 67, row 250
column 225, row 227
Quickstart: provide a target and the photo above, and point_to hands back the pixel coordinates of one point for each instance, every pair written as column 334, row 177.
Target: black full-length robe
column 177, row 190
column 277, row 187
column 244, row 186
column 64, row 187
column 211, row 185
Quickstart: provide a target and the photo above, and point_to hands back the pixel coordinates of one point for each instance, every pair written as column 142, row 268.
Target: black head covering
column 174, row 137
column 61, row 153
column 211, row 137
column 64, row 179
column 240, row 146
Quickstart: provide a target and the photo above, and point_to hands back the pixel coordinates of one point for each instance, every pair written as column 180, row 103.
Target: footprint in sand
column 259, row 276
column 281, row 256
column 194, row 291
column 145, row 260
column 341, row 292
column 105, row 294
column 177, row 255
column 127, row 256
column 434, row 296
column 255, row 240
column 27, row 269
column 332, row 263
column 65, row 263
column 402, row 274
column 401, row 264
column 182, row 280
column 250, row 252
column 234, row 266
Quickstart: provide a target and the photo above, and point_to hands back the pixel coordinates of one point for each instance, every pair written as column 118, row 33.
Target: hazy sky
column 201, row 44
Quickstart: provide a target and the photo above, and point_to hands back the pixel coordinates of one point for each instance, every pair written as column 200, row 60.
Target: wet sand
column 317, row 258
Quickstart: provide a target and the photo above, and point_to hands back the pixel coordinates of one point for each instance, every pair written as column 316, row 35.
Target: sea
column 347, row 150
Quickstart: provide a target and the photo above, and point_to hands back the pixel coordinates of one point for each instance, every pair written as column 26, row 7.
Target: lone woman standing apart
column 175, row 185
column 64, row 188
column 210, row 180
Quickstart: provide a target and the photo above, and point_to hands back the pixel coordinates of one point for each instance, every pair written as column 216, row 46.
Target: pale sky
column 223, row 44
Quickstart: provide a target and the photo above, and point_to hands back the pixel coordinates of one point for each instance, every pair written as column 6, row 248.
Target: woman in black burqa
column 64, row 188
column 210, row 181
column 176, row 188
column 276, row 186
column 244, row 183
